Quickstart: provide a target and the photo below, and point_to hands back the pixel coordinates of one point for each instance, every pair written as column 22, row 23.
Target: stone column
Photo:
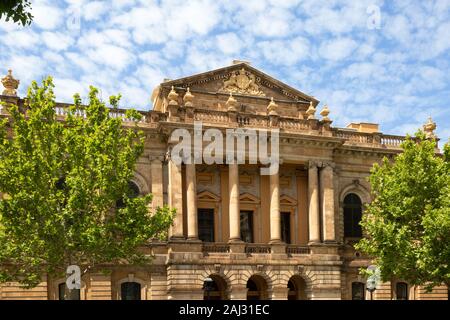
column 156, row 171
column 233, row 187
column 175, row 199
column 313, row 195
column 326, row 180
column 275, row 222
column 191, row 193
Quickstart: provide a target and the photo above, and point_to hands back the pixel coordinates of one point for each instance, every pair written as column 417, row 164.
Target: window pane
column 130, row 291
column 402, row 291
column 74, row 293
column 358, row 291
column 285, row 227
column 206, row 225
column 246, row 226
column 352, row 216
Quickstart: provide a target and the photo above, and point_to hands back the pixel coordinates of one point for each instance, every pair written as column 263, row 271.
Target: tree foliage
column 17, row 10
column 61, row 181
column 408, row 222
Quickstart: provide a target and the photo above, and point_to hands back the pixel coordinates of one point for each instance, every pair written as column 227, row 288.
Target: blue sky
column 394, row 71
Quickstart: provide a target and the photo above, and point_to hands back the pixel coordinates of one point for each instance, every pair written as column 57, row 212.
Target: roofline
column 242, row 64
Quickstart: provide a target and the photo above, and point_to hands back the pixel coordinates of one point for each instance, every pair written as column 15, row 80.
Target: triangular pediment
column 207, row 196
column 248, row 198
column 241, row 79
column 287, row 201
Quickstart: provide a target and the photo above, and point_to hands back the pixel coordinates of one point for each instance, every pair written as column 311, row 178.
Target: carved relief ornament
column 242, row 82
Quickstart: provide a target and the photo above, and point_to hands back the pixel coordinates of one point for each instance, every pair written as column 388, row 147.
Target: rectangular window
column 74, row 293
column 246, row 226
column 285, row 219
column 358, row 292
column 402, row 291
column 206, row 225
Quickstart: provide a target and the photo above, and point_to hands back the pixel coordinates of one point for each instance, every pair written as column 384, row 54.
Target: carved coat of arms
column 242, row 82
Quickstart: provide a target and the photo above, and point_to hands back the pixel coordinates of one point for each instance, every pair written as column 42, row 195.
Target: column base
column 276, row 241
column 194, row 239
column 176, row 239
column 237, row 249
column 278, row 250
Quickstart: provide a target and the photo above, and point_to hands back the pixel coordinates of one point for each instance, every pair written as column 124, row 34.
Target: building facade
column 288, row 235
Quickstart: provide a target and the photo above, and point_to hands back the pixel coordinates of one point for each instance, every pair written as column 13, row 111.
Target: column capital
column 321, row 164
column 328, row 164
column 313, row 164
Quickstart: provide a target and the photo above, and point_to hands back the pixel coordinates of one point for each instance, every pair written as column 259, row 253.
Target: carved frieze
column 243, row 82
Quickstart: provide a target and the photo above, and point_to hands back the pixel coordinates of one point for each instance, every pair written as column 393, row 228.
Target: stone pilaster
column 313, row 196
column 175, row 199
column 156, row 171
column 191, row 192
column 326, row 180
column 233, row 187
column 275, row 224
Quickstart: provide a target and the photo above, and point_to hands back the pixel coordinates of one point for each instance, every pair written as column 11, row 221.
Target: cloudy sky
column 372, row 61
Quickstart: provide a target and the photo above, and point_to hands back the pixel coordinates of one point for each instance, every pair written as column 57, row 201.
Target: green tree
column 17, row 10
column 408, row 222
column 65, row 187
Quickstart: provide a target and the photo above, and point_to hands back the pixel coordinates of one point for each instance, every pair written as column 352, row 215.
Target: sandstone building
column 283, row 236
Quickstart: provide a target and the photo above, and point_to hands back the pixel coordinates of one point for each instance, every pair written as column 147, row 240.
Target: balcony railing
column 210, row 116
column 294, row 250
column 256, row 248
column 391, row 140
column 211, row 247
column 222, row 118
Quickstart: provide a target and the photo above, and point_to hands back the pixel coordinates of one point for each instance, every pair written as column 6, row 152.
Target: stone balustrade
column 369, row 139
column 295, row 250
column 211, row 116
column 257, row 248
column 214, row 247
column 285, row 124
column 391, row 140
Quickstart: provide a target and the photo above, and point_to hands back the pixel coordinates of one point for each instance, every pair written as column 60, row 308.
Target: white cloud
column 337, row 49
column 364, row 70
column 274, row 22
column 47, row 16
column 398, row 28
column 57, row 41
column 94, row 10
column 111, row 56
column 229, row 43
column 285, row 53
column 66, row 88
column 24, row 39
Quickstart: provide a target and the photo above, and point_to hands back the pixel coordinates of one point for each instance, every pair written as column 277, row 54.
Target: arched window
column 74, row 293
column 352, row 216
column 215, row 288
column 297, row 288
column 401, row 289
column 132, row 192
column 358, row 291
column 130, row 291
column 256, row 288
